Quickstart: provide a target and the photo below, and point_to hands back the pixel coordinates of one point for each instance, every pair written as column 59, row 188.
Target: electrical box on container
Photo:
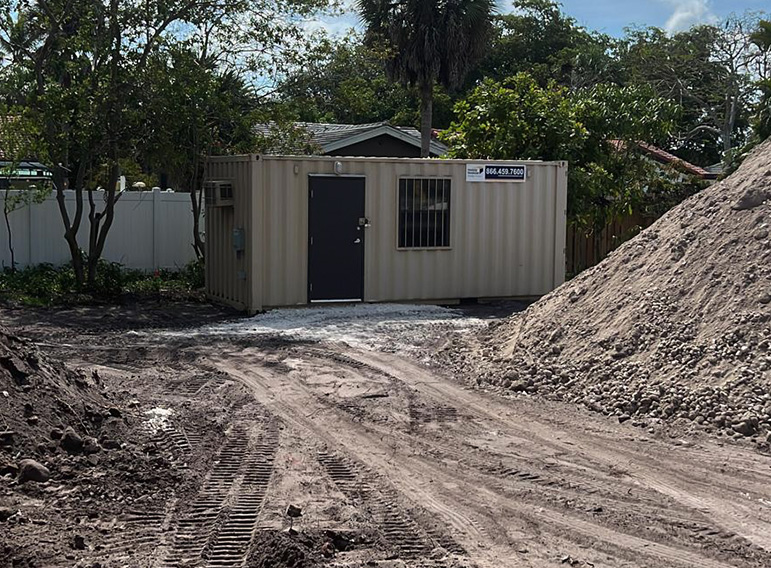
column 239, row 239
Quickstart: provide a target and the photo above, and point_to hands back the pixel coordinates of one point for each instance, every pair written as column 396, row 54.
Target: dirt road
column 393, row 460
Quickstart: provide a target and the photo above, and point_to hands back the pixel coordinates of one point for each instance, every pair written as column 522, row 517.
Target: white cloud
column 689, row 13
column 336, row 25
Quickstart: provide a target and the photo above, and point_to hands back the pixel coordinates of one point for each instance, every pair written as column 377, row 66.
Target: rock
column 519, row 386
column 78, row 542
column 753, row 197
column 745, row 428
column 56, row 434
column 32, row 420
column 623, row 418
column 6, row 438
column 71, row 441
column 768, row 437
column 16, row 368
column 108, row 444
column 9, row 468
column 116, row 413
column 31, row 470
column 328, row 550
column 293, row 512
column 91, row 445
column 6, row 513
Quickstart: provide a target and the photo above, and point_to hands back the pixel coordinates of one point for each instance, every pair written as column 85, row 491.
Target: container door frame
column 363, row 232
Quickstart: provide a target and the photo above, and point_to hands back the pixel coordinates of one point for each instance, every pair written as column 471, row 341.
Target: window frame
column 398, row 213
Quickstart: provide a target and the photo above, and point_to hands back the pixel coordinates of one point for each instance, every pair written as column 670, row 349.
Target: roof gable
column 333, row 137
column 409, row 135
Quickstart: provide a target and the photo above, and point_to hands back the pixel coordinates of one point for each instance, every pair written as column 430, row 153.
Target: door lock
column 357, row 241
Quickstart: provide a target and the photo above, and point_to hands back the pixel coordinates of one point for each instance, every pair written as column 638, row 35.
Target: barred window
column 424, row 213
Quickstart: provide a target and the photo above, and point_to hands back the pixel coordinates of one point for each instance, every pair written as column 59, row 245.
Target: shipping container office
column 286, row 230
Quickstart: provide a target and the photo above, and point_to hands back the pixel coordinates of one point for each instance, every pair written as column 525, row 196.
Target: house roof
column 665, row 157
column 331, row 137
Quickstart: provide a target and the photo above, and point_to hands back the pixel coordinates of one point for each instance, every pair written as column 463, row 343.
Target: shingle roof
column 328, row 136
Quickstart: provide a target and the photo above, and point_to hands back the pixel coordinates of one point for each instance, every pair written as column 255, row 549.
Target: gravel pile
column 675, row 324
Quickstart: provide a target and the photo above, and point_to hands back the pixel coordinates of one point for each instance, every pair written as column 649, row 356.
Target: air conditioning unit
column 218, row 193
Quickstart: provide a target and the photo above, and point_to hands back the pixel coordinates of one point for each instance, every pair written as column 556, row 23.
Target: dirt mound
column 44, row 405
column 69, row 452
column 675, row 324
column 274, row 549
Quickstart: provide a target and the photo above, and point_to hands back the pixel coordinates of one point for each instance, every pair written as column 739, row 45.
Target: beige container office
column 381, row 229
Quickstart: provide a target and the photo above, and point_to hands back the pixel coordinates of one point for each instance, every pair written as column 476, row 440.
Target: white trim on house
column 386, row 129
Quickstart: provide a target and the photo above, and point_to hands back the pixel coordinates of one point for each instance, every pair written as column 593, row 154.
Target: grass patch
column 47, row 285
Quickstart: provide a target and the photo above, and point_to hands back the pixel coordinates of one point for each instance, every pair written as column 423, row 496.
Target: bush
column 47, row 285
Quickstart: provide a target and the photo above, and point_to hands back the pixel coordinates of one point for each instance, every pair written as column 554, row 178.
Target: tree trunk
column 426, row 112
column 101, row 222
column 196, row 200
column 6, row 212
column 71, row 226
column 729, row 123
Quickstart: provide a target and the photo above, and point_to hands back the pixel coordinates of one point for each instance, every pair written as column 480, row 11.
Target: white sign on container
column 497, row 172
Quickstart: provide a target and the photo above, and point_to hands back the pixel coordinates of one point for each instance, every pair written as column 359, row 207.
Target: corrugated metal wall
column 228, row 273
column 506, row 239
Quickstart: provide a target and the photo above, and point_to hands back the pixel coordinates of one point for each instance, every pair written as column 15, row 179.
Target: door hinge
column 311, row 194
column 311, row 240
column 311, row 287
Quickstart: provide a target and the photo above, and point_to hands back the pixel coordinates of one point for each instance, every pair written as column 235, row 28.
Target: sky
column 608, row 16
column 612, row 16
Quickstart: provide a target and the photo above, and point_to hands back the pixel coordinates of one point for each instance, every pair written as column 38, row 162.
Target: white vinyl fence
column 151, row 229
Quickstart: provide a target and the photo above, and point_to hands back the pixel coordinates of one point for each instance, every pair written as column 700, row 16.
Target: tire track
column 232, row 541
column 398, row 528
column 195, row 528
column 137, row 532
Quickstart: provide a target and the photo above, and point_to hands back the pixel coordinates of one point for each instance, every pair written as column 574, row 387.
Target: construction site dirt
column 337, row 437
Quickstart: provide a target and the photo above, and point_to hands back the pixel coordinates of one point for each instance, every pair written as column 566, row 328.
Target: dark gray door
column 335, row 238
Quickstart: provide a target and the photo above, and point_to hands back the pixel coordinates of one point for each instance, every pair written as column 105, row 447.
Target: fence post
column 156, row 227
column 30, row 260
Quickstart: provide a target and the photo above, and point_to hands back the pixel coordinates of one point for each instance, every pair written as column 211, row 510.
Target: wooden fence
column 586, row 250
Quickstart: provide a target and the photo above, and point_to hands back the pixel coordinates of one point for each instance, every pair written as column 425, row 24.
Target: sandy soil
column 392, row 460
column 675, row 325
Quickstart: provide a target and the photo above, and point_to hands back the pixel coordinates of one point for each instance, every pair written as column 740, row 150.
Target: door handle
column 357, row 241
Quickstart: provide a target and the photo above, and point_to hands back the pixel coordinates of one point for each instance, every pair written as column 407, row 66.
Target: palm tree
column 429, row 42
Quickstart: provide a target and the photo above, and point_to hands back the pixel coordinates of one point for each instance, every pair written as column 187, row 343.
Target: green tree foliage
column 429, row 43
column 761, row 37
column 345, row 81
column 539, row 39
column 595, row 129
column 18, row 143
column 710, row 71
column 91, row 76
column 193, row 109
column 516, row 117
